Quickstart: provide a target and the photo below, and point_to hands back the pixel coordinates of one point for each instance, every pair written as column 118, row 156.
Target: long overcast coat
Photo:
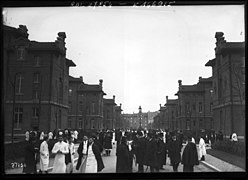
column 140, row 150
column 174, row 152
column 190, row 155
column 123, row 159
column 151, row 158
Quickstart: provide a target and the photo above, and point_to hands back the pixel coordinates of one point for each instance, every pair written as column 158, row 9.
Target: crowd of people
column 144, row 148
column 151, row 149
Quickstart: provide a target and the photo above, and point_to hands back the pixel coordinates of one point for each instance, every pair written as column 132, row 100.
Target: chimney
column 100, row 82
column 179, row 82
column 61, row 36
column 114, row 97
column 24, row 30
column 200, row 78
column 160, row 105
column 219, row 36
column 81, row 78
column 120, row 104
column 166, row 99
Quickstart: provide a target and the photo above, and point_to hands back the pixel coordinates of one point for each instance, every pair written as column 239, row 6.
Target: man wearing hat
column 122, row 157
column 174, row 152
column 190, row 156
column 140, row 145
column 60, row 149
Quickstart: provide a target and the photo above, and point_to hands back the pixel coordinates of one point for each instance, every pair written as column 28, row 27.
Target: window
column 36, row 78
column 20, row 53
column 37, row 61
column 18, row 117
column 187, row 107
column 92, row 124
column 19, row 84
column 93, row 108
column 211, row 107
column 35, row 112
column 69, row 123
column 200, row 107
column 200, row 123
column 80, row 106
column 187, row 124
column 70, row 92
column 194, row 123
column 35, row 94
column 80, row 123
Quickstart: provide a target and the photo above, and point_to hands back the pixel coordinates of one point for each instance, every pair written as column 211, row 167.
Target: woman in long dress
column 60, row 149
column 44, row 155
column 202, row 149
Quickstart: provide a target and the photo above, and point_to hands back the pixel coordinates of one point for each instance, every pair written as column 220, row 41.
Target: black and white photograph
column 148, row 87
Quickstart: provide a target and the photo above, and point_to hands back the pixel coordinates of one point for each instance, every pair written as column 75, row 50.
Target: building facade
column 37, row 73
column 170, row 114
column 109, row 116
column 228, row 71
column 86, row 105
column 194, row 106
column 118, row 117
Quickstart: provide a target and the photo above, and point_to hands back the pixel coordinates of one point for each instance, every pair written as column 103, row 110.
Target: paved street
column 211, row 164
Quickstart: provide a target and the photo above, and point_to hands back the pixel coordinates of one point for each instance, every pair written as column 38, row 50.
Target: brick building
column 162, row 123
column 228, row 71
column 36, row 82
column 86, row 105
column 109, row 113
column 136, row 119
column 118, row 117
column 194, row 106
column 171, row 114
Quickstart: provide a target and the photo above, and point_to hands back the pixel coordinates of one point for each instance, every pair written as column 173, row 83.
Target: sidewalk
column 219, row 165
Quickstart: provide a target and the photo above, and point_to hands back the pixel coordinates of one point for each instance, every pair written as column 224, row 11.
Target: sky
column 139, row 52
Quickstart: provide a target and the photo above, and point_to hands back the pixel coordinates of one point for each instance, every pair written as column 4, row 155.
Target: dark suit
column 189, row 157
column 123, row 159
column 80, row 154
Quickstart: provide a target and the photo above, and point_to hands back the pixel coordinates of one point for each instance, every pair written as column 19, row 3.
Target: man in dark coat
column 123, row 159
column 190, row 156
column 107, row 145
column 29, row 156
column 140, row 147
column 82, row 151
column 161, row 151
column 151, row 159
column 97, row 153
column 174, row 152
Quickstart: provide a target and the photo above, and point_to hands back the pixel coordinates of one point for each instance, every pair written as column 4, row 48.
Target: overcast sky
column 140, row 53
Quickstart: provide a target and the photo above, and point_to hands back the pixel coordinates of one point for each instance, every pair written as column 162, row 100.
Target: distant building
column 194, row 106
column 228, row 71
column 171, row 114
column 36, row 82
column 118, row 117
column 86, row 105
column 136, row 120
column 109, row 113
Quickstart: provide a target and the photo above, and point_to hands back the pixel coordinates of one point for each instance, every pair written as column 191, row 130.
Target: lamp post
column 140, row 111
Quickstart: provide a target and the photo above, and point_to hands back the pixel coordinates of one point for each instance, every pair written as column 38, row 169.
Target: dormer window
column 20, row 53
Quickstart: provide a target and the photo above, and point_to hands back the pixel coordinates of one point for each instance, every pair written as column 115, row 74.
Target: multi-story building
column 137, row 120
column 151, row 116
column 171, row 114
column 109, row 113
column 86, row 105
column 228, row 71
column 118, row 117
column 194, row 106
column 36, row 82
column 162, row 123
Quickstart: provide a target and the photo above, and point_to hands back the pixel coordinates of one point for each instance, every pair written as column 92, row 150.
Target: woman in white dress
column 91, row 163
column 202, row 149
column 60, row 149
column 44, row 155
